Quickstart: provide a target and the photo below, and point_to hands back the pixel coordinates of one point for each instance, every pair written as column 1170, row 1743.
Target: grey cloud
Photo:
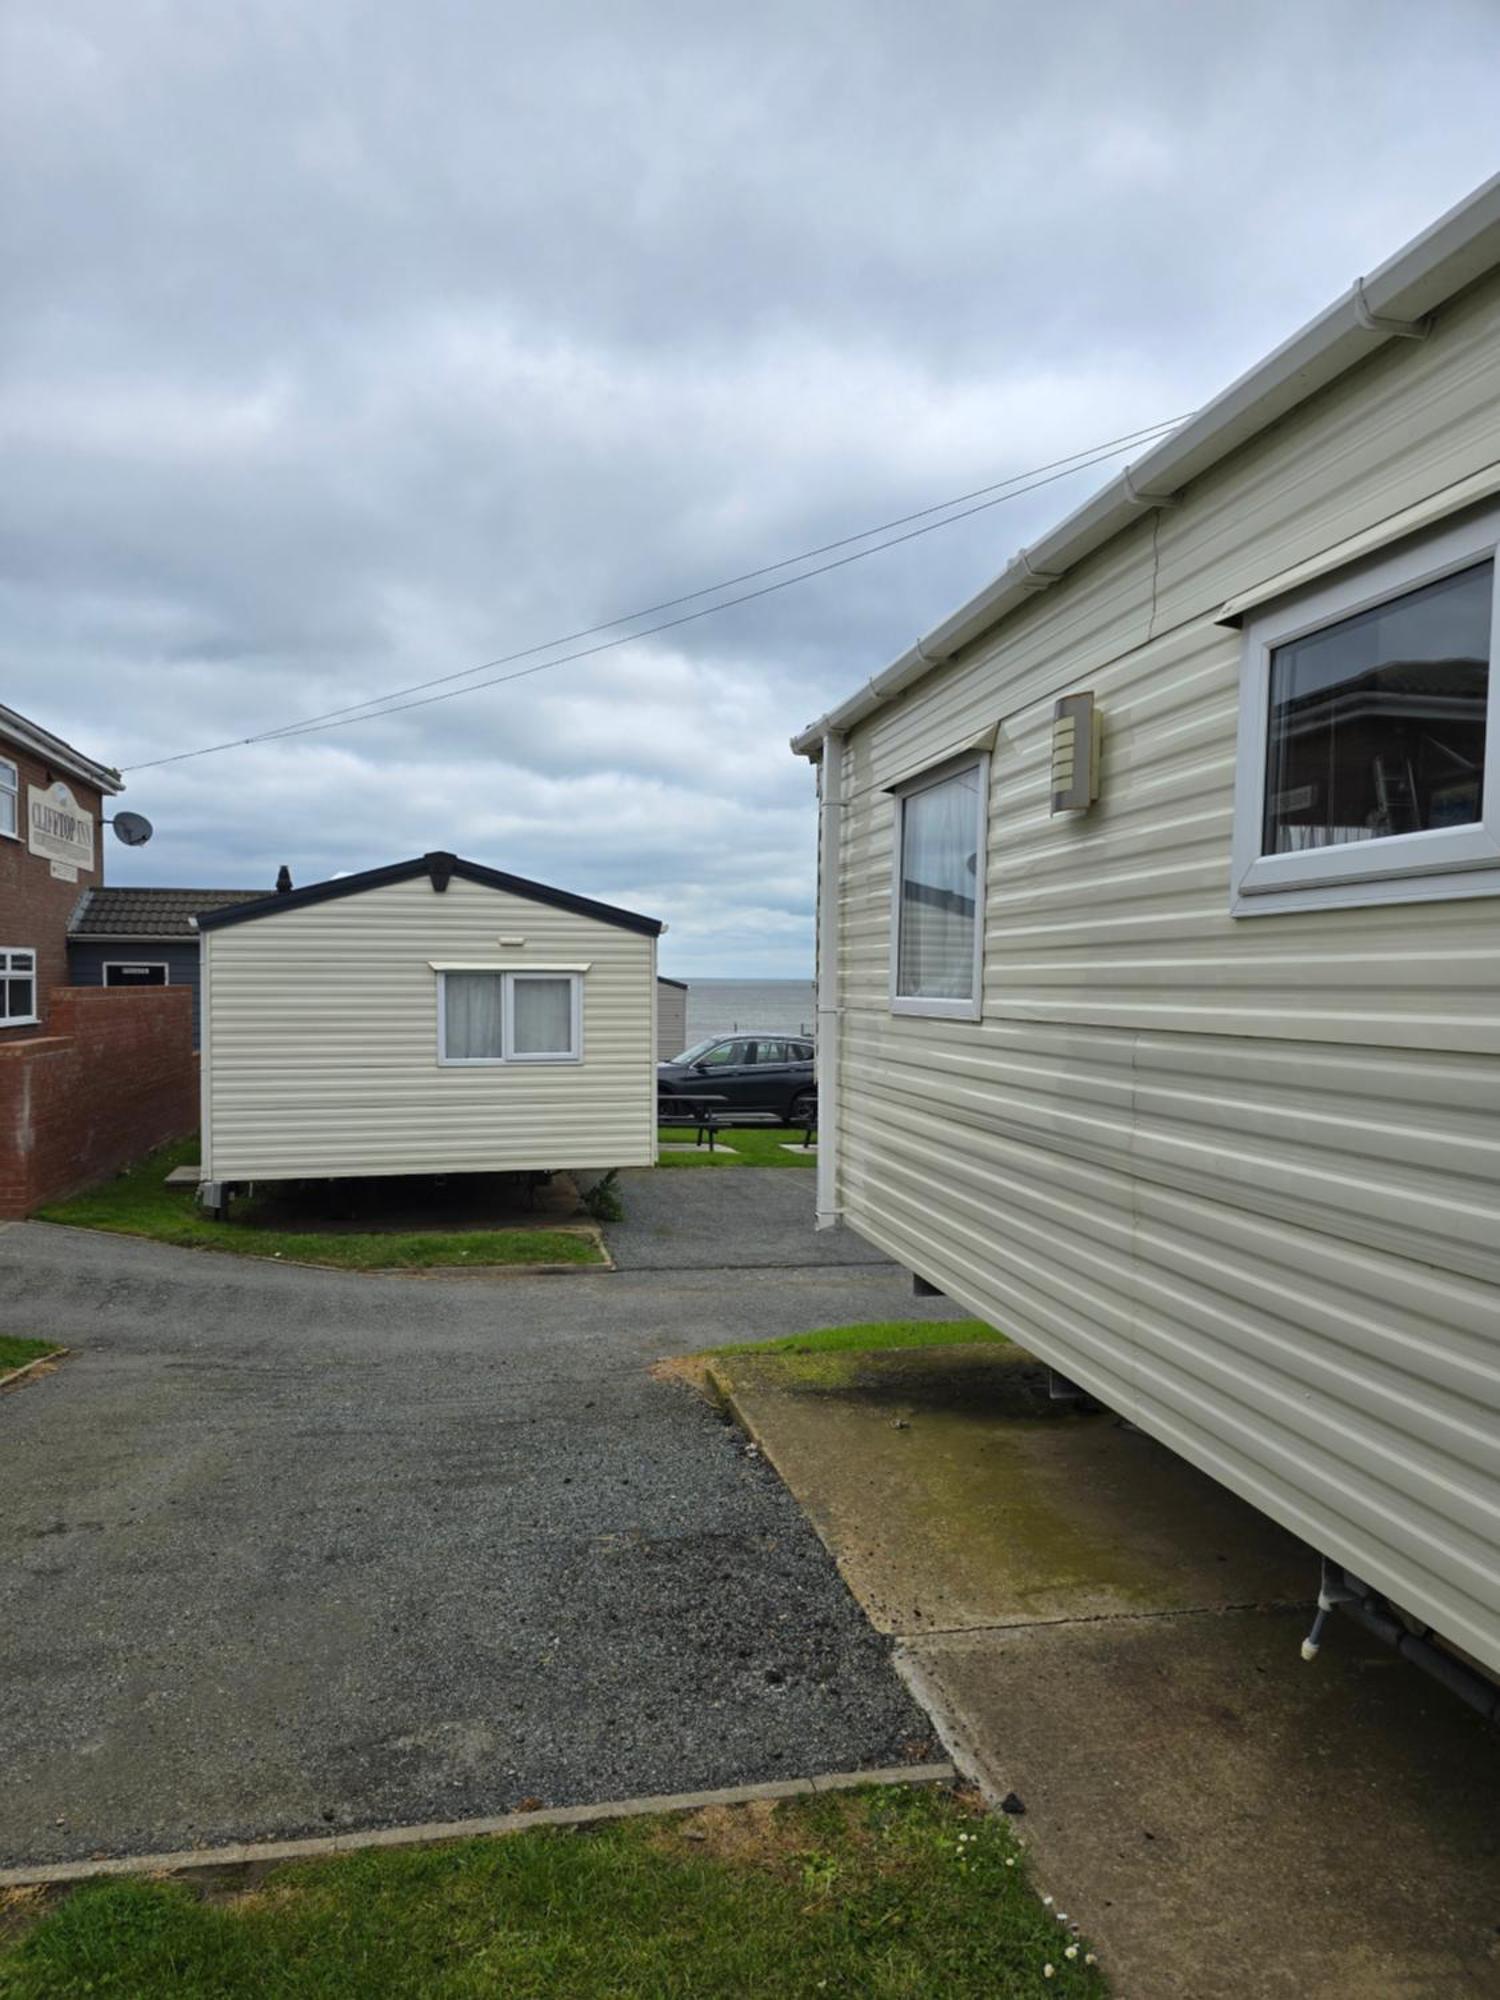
column 348, row 345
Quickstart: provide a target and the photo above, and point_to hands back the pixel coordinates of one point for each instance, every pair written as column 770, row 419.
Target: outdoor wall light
column 1075, row 753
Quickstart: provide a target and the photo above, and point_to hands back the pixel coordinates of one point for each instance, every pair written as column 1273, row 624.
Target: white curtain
column 472, row 1015
column 939, row 865
column 542, row 1023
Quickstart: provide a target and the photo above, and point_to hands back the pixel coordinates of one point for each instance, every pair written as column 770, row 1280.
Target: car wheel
column 803, row 1105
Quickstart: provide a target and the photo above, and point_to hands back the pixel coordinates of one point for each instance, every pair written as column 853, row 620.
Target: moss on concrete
column 955, row 1494
column 1004, row 1506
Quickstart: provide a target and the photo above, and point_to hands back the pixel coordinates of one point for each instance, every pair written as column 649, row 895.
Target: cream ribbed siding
column 321, row 1052
column 671, row 1020
column 1240, row 1177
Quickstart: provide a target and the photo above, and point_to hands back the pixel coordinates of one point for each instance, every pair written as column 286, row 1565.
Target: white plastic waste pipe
column 829, row 974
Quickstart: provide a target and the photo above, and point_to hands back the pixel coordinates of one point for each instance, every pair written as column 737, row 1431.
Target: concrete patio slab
column 1103, row 1632
column 953, row 1493
column 1226, row 1821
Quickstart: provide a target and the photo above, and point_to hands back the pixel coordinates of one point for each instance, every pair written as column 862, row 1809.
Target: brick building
column 89, row 1079
column 51, row 807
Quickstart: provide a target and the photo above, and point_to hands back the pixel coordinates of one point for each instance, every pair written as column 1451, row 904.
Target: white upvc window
column 10, row 799
column 1369, row 736
column 937, row 906
column 509, row 1017
column 17, row 986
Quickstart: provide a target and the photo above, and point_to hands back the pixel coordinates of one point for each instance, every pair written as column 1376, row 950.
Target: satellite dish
column 133, row 828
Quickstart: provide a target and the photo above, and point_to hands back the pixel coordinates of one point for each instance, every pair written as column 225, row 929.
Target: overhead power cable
column 1111, row 446
column 393, row 702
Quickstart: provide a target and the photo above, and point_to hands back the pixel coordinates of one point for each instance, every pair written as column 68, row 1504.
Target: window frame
column 8, row 972
column 13, row 790
column 971, row 1008
column 1434, row 864
column 574, row 1054
column 509, row 1058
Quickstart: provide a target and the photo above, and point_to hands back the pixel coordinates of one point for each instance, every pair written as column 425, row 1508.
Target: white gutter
column 51, row 750
column 830, row 976
column 1391, row 304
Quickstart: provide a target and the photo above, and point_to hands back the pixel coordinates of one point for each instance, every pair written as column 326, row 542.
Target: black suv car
column 750, row 1072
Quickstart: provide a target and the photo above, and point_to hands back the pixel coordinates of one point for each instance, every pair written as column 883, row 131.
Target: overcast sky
column 350, row 343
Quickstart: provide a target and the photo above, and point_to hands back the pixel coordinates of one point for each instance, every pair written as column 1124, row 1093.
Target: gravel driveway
column 286, row 1551
column 726, row 1219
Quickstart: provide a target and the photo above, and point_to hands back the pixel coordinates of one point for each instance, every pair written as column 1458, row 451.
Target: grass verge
column 16, row 1352
column 893, row 1893
column 754, row 1146
column 139, row 1203
column 873, row 1337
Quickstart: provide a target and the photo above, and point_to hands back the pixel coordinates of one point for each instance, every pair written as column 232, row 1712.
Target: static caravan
column 433, row 1017
column 1159, row 941
column 671, row 1018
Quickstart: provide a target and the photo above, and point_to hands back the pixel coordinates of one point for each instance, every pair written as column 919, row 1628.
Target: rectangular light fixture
column 1075, row 753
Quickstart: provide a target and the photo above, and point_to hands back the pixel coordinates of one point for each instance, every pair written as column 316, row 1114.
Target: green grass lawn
column 874, row 1336
column 139, row 1203
column 754, row 1146
column 15, row 1352
column 892, row 1894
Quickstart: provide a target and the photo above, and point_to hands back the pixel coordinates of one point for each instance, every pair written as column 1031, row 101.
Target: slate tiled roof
column 149, row 913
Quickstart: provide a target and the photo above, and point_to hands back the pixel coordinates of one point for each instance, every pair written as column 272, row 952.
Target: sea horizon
column 763, row 1006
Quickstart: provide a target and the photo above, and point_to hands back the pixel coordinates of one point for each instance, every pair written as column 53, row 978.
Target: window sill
column 937, row 1010
column 1447, row 886
column 509, row 1062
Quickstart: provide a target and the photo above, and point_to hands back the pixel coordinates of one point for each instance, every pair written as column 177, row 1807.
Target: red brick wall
column 114, row 1075
column 34, row 905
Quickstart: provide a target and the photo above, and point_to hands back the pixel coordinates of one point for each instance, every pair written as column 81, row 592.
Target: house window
column 17, row 987
column 135, row 972
column 1369, row 757
column 938, row 917
column 10, row 799
column 510, row 1017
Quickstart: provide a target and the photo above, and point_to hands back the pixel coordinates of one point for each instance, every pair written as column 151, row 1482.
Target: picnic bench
column 703, row 1113
column 708, row 1116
